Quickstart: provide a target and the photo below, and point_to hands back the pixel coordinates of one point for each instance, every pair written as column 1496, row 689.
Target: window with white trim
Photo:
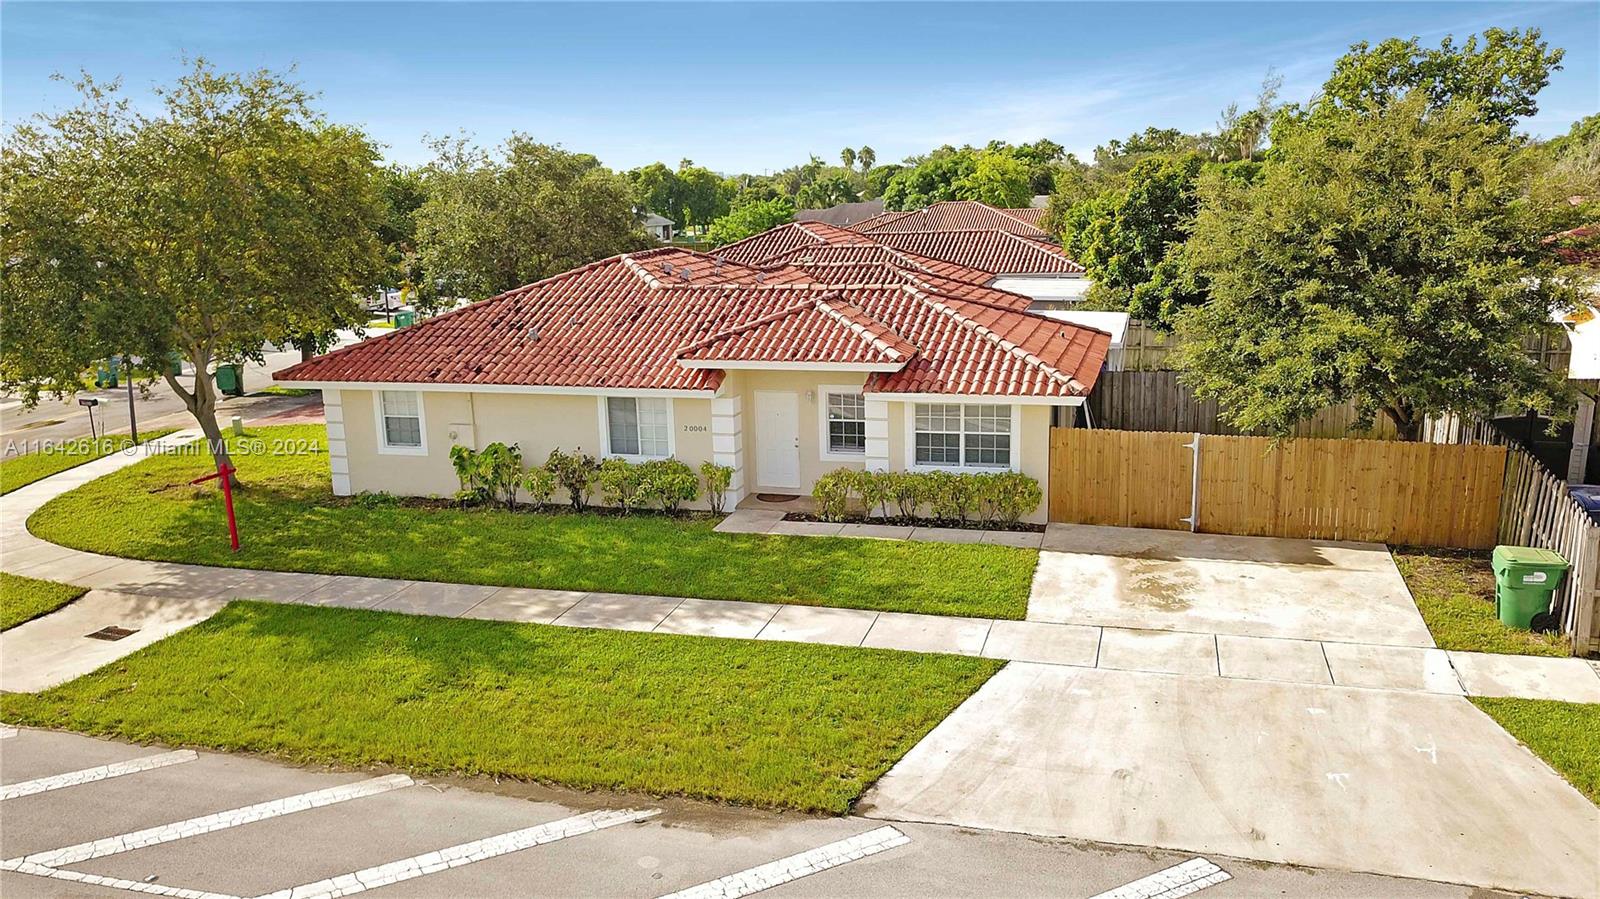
column 846, row 422
column 639, row 427
column 402, row 418
column 953, row 435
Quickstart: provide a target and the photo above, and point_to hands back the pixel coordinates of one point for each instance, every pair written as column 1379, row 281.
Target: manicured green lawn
column 23, row 599
column 20, row 471
column 769, row 724
column 1564, row 734
column 1454, row 589
column 290, row 521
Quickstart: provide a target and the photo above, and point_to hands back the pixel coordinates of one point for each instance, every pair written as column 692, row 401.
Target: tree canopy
column 750, row 218
column 231, row 216
column 494, row 222
column 1391, row 259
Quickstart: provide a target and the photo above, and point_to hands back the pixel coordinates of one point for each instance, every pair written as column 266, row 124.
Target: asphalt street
column 253, row 827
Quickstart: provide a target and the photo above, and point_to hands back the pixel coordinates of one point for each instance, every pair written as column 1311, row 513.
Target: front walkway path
column 45, row 651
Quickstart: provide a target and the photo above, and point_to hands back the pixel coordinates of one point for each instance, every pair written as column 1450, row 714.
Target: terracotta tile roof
column 1579, row 246
column 954, row 215
column 817, row 260
column 626, row 323
column 988, row 250
column 881, row 218
column 812, row 329
column 773, row 242
column 1033, row 215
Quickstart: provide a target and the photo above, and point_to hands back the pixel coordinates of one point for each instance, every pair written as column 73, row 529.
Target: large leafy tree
column 931, row 179
column 491, row 223
column 229, row 216
column 999, row 179
column 1390, row 258
column 750, row 218
column 1501, row 72
column 1129, row 240
column 829, row 189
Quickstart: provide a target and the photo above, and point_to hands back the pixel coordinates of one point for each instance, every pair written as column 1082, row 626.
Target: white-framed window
column 842, row 419
column 400, row 424
column 961, row 435
column 636, row 427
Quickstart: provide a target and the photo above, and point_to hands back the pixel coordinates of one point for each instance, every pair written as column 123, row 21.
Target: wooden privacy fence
column 1537, row 510
column 1372, row 490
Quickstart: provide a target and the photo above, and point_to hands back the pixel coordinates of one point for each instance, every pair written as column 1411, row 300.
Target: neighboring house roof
column 651, row 220
column 1579, row 246
column 996, row 251
column 955, row 215
column 776, row 241
column 1033, row 215
column 661, row 319
column 842, row 214
column 882, row 218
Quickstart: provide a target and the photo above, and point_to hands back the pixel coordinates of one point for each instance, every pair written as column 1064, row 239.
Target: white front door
column 777, row 439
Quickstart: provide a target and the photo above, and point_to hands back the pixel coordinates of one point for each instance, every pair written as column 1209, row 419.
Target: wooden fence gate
column 1422, row 494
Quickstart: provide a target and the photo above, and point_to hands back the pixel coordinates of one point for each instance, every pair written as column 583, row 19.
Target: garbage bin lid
column 1527, row 555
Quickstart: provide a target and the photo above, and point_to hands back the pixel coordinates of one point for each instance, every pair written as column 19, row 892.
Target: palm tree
column 848, row 157
column 868, row 158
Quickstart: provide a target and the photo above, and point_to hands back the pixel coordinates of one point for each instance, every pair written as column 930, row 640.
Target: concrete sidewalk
column 1405, row 668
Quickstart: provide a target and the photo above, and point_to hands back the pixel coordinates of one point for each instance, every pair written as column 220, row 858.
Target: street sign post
column 224, row 473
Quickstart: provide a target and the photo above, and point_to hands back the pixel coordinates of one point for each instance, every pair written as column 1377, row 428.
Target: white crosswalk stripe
column 178, row 830
column 1186, row 879
column 100, row 772
column 464, row 854
column 804, row 864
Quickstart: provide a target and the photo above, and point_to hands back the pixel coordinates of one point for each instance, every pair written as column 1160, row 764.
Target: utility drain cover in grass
column 112, row 632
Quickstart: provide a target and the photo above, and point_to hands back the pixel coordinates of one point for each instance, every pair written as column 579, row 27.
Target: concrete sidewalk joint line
column 1190, row 877
column 99, row 772
column 794, row 867
column 463, row 854
column 178, row 830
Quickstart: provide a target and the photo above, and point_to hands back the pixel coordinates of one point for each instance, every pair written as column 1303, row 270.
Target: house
column 851, row 356
column 842, row 215
column 658, row 226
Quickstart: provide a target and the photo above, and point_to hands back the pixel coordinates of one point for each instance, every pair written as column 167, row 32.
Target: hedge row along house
column 794, row 352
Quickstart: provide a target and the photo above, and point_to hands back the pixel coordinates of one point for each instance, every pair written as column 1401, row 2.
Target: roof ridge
column 828, row 304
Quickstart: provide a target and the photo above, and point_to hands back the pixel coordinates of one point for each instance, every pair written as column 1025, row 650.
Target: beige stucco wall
column 539, row 423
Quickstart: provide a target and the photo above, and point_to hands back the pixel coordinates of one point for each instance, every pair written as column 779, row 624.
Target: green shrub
column 464, row 459
column 500, row 470
column 1007, row 496
column 874, row 489
column 367, row 499
column 540, row 485
column 716, row 478
column 831, row 493
column 950, row 495
column 908, row 489
column 620, row 484
column 575, row 473
column 668, row 483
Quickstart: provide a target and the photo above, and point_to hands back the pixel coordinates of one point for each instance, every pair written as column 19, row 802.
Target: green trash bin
column 1524, row 579
column 405, row 319
column 230, row 378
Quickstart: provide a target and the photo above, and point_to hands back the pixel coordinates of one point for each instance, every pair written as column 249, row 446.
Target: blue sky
column 757, row 86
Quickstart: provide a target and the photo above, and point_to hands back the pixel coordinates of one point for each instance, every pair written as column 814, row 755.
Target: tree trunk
column 202, row 404
column 308, row 348
column 1406, row 421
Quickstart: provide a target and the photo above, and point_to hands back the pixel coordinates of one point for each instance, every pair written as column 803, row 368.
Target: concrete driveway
column 1390, row 782
column 1216, row 584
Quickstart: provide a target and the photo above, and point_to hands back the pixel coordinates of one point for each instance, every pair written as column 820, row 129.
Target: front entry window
column 954, row 435
column 639, row 427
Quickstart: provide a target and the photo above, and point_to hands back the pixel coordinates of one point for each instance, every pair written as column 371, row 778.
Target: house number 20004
column 694, row 429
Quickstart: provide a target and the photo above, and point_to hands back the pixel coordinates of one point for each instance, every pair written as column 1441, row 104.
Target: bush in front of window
column 1006, row 496
column 717, row 479
column 950, row 496
column 831, row 493
column 575, row 473
column 668, row 483
column 909, row 489
column 620, row 484
column 874, row 490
